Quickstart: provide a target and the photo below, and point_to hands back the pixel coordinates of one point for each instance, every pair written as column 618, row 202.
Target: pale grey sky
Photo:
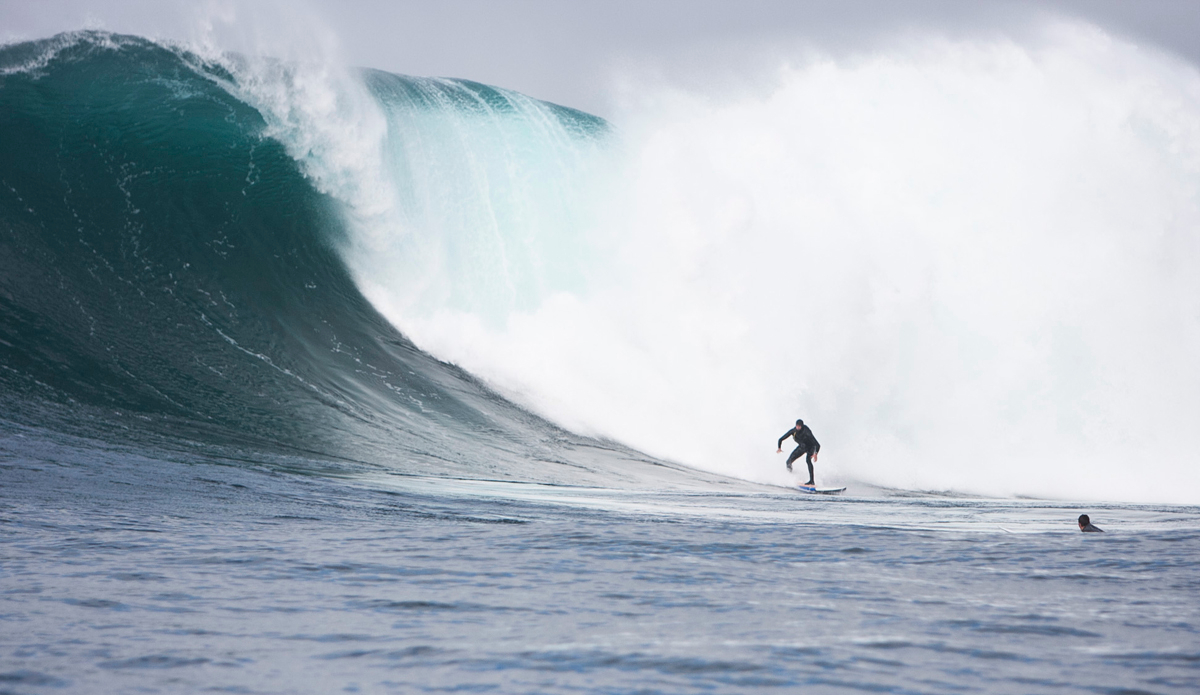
column 567, row 51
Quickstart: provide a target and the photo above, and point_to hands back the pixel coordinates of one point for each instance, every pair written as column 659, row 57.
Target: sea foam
column 968, row 265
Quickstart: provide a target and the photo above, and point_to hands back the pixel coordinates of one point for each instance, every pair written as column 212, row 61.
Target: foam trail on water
column 968, row 265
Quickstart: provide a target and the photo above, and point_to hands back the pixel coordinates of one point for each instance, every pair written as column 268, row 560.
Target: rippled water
column 122, row 573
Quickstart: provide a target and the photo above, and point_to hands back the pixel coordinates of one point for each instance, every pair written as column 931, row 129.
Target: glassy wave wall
column 168, row 271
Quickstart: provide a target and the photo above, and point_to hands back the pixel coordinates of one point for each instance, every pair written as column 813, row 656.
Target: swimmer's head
column 1084, row 520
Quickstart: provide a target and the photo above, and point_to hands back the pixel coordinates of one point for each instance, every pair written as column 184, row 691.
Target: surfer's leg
column 811, row 479
column 795, row 455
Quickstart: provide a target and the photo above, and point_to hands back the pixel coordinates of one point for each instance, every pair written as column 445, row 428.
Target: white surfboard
column 813, row 490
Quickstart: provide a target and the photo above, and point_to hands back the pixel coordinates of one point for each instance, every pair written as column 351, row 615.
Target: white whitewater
column 967, row 265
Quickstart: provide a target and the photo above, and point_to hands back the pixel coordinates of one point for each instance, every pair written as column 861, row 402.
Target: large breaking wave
column 968, row 265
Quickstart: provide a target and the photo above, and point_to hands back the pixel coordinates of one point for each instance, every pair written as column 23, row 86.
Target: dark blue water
column 122, row 573
column 222, row 470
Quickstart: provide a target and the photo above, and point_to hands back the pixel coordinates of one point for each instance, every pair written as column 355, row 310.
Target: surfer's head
column 799, row 423
column 1084, row 520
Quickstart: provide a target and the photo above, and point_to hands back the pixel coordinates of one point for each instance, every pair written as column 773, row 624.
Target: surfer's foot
column 810, row 484
column 789, row 469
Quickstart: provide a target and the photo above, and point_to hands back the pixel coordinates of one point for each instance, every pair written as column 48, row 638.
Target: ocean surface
column 128, row 572
column 223, row 469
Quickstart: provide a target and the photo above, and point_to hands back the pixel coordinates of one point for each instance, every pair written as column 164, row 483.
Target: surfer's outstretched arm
column 779, row 444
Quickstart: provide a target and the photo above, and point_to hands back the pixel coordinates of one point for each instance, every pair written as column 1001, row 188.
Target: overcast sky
column 568, row 51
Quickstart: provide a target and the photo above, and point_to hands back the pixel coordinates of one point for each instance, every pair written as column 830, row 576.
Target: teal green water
column 168, row 271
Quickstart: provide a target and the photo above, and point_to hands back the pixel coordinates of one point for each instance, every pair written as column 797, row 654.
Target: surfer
column 1085, row 525
column 806, row 444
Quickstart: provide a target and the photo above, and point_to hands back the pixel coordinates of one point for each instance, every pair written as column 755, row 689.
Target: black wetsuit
column 807, row 444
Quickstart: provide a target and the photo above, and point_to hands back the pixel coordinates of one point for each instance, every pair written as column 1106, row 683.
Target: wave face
column 167, row 267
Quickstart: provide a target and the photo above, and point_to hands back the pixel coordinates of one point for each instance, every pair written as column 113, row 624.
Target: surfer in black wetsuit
column 806, row 444
column 1085, row 525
